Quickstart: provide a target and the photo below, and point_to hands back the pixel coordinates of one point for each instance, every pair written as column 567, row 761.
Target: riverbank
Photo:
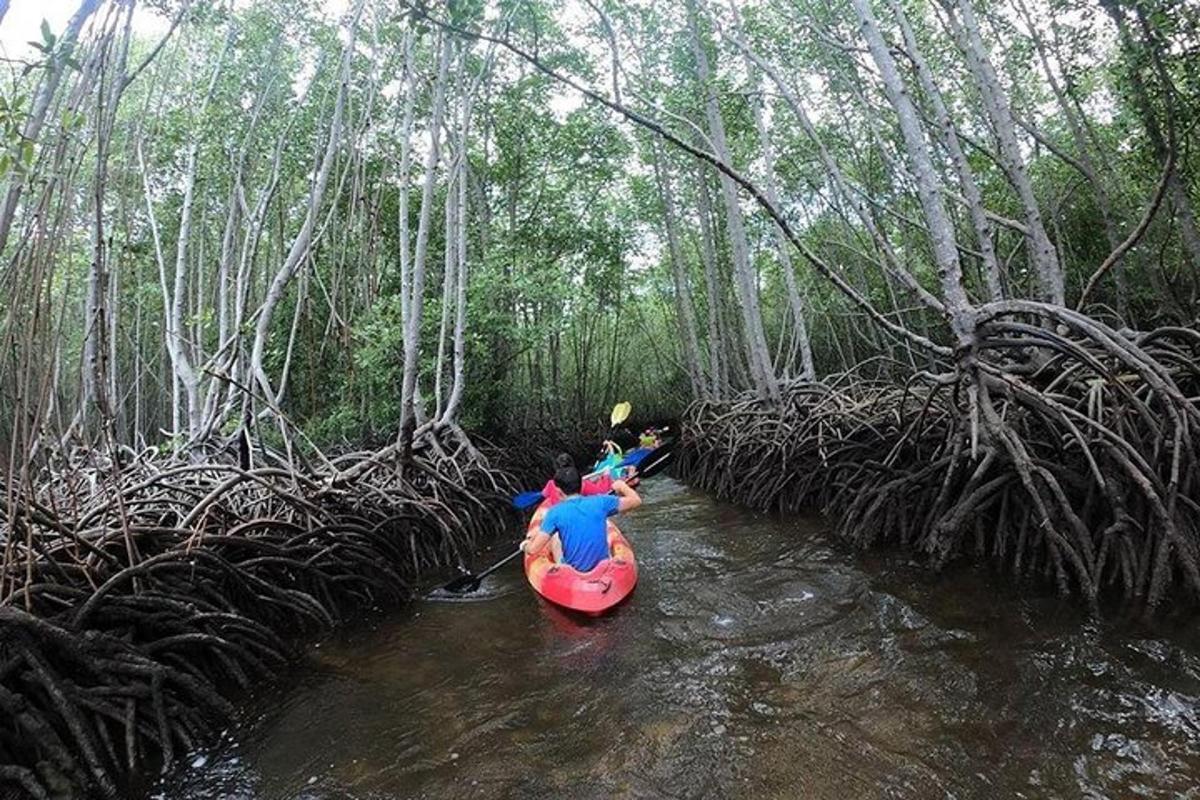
column 140, row 601
column 1075, row 490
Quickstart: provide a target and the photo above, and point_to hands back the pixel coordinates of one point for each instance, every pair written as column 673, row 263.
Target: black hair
column 566, row 477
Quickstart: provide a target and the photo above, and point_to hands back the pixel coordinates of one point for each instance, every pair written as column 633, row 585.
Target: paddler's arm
column 627, row 498
column 535, row 542
column 537, row 539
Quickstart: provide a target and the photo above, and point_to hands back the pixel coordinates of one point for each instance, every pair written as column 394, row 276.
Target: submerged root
column 135, row 600
column 1058, row 447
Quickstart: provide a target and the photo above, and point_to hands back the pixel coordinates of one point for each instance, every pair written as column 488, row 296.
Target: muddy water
column 757, row 659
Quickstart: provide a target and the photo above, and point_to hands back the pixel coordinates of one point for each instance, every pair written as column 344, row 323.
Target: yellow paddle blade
column 620, row 413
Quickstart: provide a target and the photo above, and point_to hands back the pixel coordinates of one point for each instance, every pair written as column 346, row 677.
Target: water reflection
column 757, row 658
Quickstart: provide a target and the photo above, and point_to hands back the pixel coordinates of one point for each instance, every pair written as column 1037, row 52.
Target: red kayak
column 592, row 592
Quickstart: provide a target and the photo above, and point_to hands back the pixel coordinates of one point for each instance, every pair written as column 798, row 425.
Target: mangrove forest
column 871, row 326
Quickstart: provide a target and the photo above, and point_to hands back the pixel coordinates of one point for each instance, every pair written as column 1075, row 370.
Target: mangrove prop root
column 135, row 598
column 1058, row 447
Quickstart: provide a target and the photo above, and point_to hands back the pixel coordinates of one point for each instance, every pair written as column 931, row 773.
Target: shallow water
column 757, row 659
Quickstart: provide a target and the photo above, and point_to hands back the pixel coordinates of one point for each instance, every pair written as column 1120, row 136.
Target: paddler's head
column 566, row 477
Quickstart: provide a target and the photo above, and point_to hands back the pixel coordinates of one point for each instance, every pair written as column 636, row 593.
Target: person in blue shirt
column 576, row 528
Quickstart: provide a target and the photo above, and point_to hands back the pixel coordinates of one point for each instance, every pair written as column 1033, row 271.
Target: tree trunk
column 108, row 95
column 1083, row 156
column 449, row 275
column 412, row 332
column 405, row 168
column 839, row 185
column 948, row 134
column 783, row 249
column 685, row 312
column 300, row 245
column 941, row 231
column 1042, row 254
column 717, row 363
column 460, row 298
column 745, row 284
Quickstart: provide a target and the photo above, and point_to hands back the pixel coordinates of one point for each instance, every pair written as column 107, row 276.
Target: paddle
column 620, row 413
column 528, row 499
column 534, row 496
column 470, row 582
column 654, row 465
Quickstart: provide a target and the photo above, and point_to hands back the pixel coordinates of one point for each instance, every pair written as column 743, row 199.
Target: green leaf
column 27, row 153
column 47, row 36
column 5, row 164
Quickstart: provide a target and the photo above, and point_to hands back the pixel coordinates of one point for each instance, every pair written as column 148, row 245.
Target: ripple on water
column 757, row 659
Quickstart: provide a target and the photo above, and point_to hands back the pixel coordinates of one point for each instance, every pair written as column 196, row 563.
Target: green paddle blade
column 620, row 413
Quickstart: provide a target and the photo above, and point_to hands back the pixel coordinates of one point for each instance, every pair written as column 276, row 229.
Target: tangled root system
column 134, row 601
column 1056, row 446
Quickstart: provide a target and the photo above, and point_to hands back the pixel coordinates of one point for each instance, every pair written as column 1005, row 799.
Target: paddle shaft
column 647, row 470
column 498, row 564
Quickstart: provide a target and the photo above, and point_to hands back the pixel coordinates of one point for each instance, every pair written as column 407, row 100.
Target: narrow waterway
column 757, row 659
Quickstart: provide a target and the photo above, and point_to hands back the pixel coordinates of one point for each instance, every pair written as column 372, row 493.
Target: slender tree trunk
column 297, row 313
column 717, row 363
column 462, row 179
column 962, row 166
column 744, row 282
column 1083, row 156
column 112, row 335
column 783, row 249
column 175, row 300
column 405, row 168
column 300, row 245
column 685, row 312
column 114, row 51
column 941, row 230
column 1041, row 251
column 256, row 224
column 782, row 245
column 839, row 185
column 449, row 275
column 460, row 300
column 412, row 335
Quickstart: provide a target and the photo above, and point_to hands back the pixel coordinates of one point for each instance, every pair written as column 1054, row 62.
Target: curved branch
column 826, row 270
column 1135, row 235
